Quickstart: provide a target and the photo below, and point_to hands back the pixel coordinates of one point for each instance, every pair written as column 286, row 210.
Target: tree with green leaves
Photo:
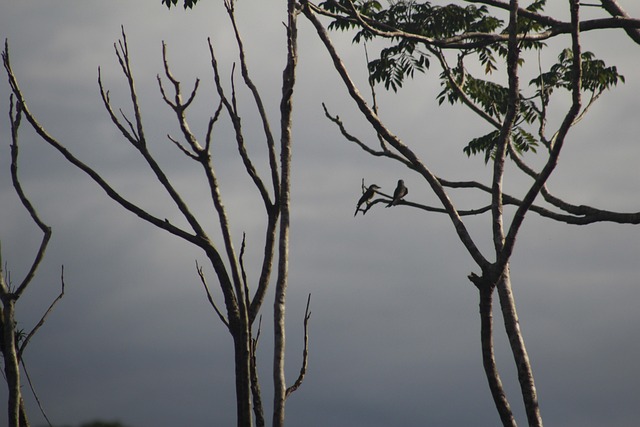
column 482, row 59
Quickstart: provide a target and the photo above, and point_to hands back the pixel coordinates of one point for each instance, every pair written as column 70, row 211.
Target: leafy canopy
column 418, row 32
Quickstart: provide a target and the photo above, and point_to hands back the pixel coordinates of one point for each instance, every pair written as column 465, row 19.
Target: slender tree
column 14, row 340
column 418, row 32
column 242, row 301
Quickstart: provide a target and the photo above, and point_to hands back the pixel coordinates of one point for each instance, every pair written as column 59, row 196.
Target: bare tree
column 421, row 31
column 13, row 340
column 242, row 302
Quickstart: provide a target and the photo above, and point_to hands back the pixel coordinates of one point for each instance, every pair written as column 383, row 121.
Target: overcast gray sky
column 394, row 330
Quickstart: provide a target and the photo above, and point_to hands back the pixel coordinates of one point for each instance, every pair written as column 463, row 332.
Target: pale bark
column 485, row 289
column 496, row 273
column 241, row 308
column 519, row 350
column 288, row 82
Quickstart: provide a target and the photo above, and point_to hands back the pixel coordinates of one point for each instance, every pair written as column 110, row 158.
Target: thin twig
column 349, row 137
column 33, row 391
column 43, row 318
column 305, row 352
column 209, row 296
column 243, row 271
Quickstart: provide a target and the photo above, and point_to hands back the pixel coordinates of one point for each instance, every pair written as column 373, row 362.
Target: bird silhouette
column 399, row 193
column 366, row 196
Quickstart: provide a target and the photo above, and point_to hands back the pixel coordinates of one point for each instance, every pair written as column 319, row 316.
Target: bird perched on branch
column 399, row 193
column 366, row 196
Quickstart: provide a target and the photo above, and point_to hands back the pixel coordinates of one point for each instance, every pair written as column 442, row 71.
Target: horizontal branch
column 394, row 141
column 471, row 40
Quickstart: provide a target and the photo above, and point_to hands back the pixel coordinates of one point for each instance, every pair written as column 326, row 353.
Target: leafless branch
column 122, row 53
column 130, row 135
column 112, row 193
column 209, row 296
column 35, row 329
column 243, row 271
column 305, row 351
column 396, row 143
column 212, row 121
column 258, row 408
column 237, row 125
column 271, row 145
column 349, row 137
column 9, row 343
column 33, row 391
column 182, row 148
column 178, row 106
column 15, row 118
column 234, row 284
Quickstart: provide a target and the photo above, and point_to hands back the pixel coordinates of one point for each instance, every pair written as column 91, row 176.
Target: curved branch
column 616, row 10
column 305, row 352
column 395, row 142
column 140, row 142
column 89, row 171
column 235, row 119
column 271, row 145
column 46, row 230
column 349, row 137
column 179, row 107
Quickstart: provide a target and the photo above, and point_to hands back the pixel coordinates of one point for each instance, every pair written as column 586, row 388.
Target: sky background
column 394, row 333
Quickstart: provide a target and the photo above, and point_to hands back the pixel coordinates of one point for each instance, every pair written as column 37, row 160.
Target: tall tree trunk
column 488, row 356
column 242, row 349
column 11, row 362
column 279, row 305
column 519, row 350
column 24, row 421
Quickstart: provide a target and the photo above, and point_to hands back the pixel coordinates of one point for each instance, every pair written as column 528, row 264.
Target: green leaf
column 523, row 141
column 484, row 144
column 187, row 3
column 596, row 76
